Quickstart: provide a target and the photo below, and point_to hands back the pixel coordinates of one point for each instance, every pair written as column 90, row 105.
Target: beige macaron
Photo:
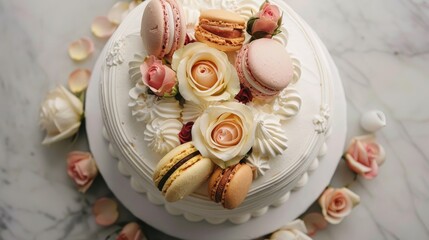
column 181, row 171
column 230, row 186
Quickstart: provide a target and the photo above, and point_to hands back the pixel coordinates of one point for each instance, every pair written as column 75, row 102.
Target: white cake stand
column 178, row 226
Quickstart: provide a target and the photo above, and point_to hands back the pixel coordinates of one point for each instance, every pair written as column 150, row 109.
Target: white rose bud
column 60, row 115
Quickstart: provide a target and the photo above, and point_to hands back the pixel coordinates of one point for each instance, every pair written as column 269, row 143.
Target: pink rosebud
column 364, row 155
column 337, row 203
column 270, row 12
column 82, row 169
column 266, row 21
column 158, row 77
column 131, row 231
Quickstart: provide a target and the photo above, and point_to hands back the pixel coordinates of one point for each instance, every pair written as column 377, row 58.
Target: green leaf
column 259, row 34
column 250, row 24
column 280, row 21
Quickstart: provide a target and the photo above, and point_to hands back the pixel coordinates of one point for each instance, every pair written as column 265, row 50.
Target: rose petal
column 81, row 49
column 105, row 211
column 314, row 221
column 78, row 80
column 101, row 27
column 133, row 4
column 118, row 11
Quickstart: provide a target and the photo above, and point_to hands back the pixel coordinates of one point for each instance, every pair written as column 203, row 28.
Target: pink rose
column 159, row 78
column 337, row 203
column 266, row 22
column 131, row 231
column 364, row 156
column 82, row 169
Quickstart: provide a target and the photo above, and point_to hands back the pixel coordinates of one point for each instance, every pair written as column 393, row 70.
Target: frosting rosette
column 224, row 133
column 204, row 74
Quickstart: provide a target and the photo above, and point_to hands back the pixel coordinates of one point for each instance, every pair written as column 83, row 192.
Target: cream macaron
column 181, row 171
column 265, row 67
column 163, row 28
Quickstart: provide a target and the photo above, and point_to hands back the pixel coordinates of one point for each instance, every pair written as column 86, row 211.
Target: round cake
column 288, row 128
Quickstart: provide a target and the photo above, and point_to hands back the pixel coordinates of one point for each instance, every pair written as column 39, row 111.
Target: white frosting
column 270, row 137
column 261, row 164
column 287, row 104
column 296, row 64
column 373, row 121
column 191, row 111
column 271, row 189
column 162, row 134
column 134, row 68
column 146, row 107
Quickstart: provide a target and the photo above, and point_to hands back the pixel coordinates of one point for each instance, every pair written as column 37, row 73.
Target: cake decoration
column 204, row 74
column 337, row 203
column 79, row 80
column 191, row 111
column 162, row 134
column 82, row 169
column 221, row 29
column 259, row 164
column 373, row 121
column 146, row 107
column 224, row 133
column 270, row 138
column 159, row 78
column 229, row 186
column 114, row 57
column 181, row 171
column 266, row 23
column 320, row 121
column 134, row 68
column 287, row 104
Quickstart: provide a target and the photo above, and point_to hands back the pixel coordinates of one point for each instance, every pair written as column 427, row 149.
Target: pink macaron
column 163, row 28
column 265, row 67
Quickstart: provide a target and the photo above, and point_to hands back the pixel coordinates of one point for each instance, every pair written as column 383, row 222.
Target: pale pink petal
column 314, row 222
column 101, row 27
column 356, row 166
column 374, row 171
column 117, row 12
column 105, row 211
column 81, row 49
column 78, row 80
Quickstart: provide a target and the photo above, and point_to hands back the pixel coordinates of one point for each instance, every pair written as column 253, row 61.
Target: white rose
column 224, row 133
column 205, row 74
column 293, row 231
column 60, row 115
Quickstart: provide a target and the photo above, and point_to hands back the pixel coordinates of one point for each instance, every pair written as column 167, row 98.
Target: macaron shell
column 218, row 42
column 270, row 64
column 222, row 16
column 153, row 28
column 238, row 187
column 180, row 26
column 189, row 180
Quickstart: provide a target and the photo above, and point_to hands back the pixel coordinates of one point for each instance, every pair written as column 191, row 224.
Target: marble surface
column 382, row 52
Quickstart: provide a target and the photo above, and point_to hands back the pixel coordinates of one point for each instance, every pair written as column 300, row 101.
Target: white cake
column 309, row 104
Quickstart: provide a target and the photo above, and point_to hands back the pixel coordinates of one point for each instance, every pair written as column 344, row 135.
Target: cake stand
column 178, row 226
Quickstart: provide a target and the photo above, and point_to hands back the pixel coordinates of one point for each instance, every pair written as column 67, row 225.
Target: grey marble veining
column 382, row 52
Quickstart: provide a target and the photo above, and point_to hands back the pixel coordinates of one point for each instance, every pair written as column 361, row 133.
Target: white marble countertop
column 382, row 52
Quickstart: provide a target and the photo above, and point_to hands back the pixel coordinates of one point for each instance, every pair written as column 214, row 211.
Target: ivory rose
column 82, row 169
column 266, row 22
column 293, row 231
column 224, row 133
column 337, row 203
column 60, row 115
column 131, row 231
column 204, row 74
column 160, row 79
column 364, row 155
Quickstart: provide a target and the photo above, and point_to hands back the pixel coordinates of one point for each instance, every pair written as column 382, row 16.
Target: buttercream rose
column 160, row 79
column 337, row 203
column 266, row 22
column 131, row 231
column 82, row 169
column 224, row 133
column 204, row 74
column 60, row 115
column 364, row 155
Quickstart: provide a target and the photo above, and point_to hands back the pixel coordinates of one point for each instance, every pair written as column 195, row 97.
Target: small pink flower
column 131, row 231
column 364, row 156
column 337, row 203
column 159, row 78
column 82, row 169
column 265, row 22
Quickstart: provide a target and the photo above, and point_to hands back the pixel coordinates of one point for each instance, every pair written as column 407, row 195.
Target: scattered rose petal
column 314, row 222
column 105, row 211
column 101, row 27
column 134, row 4
column 81, row 49
column 131, row 231
column 118, row 11
column 78, row 80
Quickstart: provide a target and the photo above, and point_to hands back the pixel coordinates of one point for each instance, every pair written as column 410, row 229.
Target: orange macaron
column 221, row 29
column 229, row 186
